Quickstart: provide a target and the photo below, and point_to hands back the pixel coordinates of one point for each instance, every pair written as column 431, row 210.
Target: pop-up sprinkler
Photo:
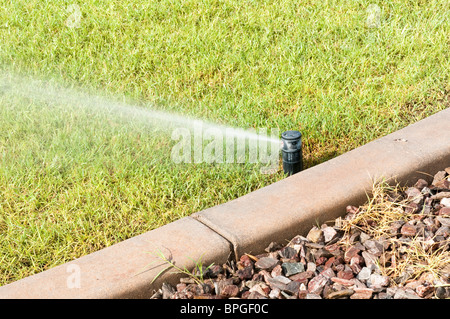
column 292, row 152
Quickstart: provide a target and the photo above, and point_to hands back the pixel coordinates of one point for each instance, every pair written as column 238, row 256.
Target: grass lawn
column 73, row 181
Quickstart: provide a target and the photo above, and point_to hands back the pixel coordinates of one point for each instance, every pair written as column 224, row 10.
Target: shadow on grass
column 310, row 161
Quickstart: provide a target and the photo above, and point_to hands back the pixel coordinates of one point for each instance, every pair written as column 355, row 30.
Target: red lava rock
column 334, row 249
column 329, row 234
column 302, row 277
column 345, row 274
column 421, row 183
column 266, row 263
column 362, row 293
column 356, row 263
column 256, row 295
column 322, row 252
column 350, row 253
column 340, row 294
column 396, row 226
column 279, row 282
column 276, row 271
column 443, row 231
column 329, row 273
column 321, row 261
column 292, row 287
column 265, row 276
column 330, row 262
column 342, row 281
column 411, row 208
column 316, row 284
column 374, row 247
column 351, row 209
column 424, row 290
column 302, row 294
column 246, row 261
column 230, row 291
column 261, row 288
column 245, row 273
column 378, row 281
column 215, row 270
column 273, row 246
column 408, row 230
column 414, row 195
column 288, row 252
column 405, row 293
column 181, row 287
column 246, row 294
column 438, row 177
column 444, row 211
column 369, row 259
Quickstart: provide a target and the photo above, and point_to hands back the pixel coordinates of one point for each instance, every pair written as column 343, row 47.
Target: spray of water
column 52, row 93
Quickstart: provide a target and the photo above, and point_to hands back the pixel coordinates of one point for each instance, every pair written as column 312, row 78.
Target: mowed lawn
column 73, row 182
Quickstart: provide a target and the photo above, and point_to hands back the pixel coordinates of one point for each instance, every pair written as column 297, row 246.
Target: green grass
column 72, row 182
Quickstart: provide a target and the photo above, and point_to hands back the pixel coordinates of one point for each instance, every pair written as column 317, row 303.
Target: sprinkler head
column 292, row 152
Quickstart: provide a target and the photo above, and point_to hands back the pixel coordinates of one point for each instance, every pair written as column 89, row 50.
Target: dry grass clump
column 406, row 256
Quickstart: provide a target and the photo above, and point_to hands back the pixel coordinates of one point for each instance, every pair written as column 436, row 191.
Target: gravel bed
column 396, row 246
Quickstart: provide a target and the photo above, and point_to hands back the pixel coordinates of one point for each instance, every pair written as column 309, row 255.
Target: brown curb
column 126, row 269
column 248, row 224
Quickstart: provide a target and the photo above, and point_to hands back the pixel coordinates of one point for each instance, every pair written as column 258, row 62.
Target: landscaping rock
column 362, row 293
column 316, row 285
column 414, row 195
column 443, row 292
column 279, row 282
column 245, row 273
column 229, row 291
column 377, row 281
column 315, row 235
column 292, row 287
column 290, row 269
column 405, row 293
column 288, row 253
column 167, row 291
column 408, row 230
column 334, row 262
column 341, row 294
column 273, row 246
column 364, row 274
column 266, row 263
column 438, row 177
column 329, row 233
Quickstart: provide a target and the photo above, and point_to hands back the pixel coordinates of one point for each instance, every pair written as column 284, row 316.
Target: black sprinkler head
column 292, row 152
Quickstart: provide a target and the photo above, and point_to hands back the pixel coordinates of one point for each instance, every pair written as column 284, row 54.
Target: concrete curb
column 247, row 224
column 126, row 269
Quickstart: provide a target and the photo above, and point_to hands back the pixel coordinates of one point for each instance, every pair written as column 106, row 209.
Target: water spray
column 292, row 152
